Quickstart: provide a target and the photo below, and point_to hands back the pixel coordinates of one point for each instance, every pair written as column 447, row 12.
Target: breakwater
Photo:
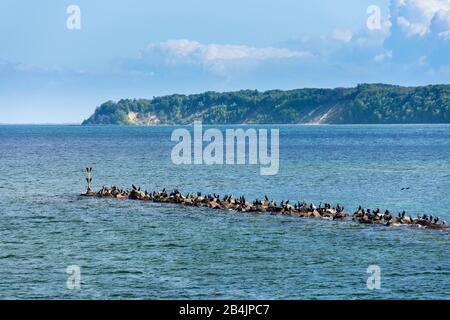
column 265, row 205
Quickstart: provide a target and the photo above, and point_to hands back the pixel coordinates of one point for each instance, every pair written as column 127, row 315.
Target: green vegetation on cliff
column 367, row 103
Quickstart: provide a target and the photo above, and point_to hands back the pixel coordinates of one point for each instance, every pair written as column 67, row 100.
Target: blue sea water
column 136, row 250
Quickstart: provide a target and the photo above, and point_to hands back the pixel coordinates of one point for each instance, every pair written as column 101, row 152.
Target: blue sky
column 134, row 49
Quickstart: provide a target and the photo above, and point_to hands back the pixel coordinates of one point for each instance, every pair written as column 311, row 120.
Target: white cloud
column 383, row 56
column 415, row 17
column 420, row 28
column 445, row 35
column 422, row 61
column 218, row 58
column 209, row 52
column 342, row 35
column 410, row 28
column 178, row 47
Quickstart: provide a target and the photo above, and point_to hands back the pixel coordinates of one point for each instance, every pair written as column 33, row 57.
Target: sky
column 54, row 70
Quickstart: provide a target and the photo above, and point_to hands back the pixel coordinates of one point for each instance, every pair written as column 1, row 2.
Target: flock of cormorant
column 299, row 209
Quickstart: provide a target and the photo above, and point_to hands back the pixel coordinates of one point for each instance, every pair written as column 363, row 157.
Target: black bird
column 133, row 186
column 265, row 197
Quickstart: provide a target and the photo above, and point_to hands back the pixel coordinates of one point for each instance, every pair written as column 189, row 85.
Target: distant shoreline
column 363, row 104
column 224, row 124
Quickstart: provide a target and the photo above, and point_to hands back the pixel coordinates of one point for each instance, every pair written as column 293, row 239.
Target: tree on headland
column 366, row 103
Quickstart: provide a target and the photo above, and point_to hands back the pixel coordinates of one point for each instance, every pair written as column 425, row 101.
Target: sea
column 55, row 244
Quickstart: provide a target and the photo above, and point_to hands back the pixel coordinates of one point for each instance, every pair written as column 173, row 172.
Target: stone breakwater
column 298, row 209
